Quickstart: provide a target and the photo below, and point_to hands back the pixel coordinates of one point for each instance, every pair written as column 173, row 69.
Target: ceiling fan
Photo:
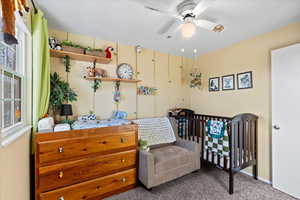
column 188, row 16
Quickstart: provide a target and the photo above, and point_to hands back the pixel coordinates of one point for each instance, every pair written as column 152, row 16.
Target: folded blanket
column 155, row 130
column 79, row 124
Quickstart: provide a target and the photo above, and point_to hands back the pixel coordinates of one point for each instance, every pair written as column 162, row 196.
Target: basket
column 73, row 49
column 94, row 53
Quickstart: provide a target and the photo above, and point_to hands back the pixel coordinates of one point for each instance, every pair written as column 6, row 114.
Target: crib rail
column 192, row 127
column 243, row 141
column 241, row 130
column 242, row 133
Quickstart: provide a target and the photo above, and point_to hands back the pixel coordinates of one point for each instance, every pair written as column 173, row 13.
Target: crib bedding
column 86, row 124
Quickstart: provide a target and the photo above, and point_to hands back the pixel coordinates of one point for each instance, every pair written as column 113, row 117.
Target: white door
column 286, row 119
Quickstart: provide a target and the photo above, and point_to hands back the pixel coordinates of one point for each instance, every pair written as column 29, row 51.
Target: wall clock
column 125, row 71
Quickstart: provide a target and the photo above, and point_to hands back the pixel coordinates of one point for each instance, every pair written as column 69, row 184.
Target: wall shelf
column 80, row 57
column 113, row 79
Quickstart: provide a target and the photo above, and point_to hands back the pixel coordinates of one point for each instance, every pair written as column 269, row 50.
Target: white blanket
column 155, row 130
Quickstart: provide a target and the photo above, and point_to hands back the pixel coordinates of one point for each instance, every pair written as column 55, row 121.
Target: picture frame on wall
column 214, row 84
column 228, row 82
column 244, row 80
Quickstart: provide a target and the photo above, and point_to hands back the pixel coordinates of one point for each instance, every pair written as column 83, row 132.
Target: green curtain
column 41, row 67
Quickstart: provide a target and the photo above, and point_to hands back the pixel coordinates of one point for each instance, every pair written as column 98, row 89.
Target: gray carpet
column 207, row 184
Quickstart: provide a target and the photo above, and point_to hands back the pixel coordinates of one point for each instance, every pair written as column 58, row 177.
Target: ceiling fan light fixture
column 188, row 29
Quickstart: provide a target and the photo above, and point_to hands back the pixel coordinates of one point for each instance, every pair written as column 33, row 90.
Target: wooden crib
column 242, row 133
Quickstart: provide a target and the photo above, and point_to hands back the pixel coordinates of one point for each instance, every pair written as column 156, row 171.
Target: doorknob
column 276, row 127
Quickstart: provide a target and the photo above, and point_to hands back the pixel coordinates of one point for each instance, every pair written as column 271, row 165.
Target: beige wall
column 249, row 55
column 14, row 170
column 166, row 72
column 14, row 158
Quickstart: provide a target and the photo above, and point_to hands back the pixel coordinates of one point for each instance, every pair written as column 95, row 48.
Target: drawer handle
column 61, row 198
column 61, row 174
column 123, row 180
column 122, row 140
column 123, row 160
column 61, row 150
column 98, row 187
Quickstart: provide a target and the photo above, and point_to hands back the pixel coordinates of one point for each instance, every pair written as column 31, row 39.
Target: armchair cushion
column 169, row 157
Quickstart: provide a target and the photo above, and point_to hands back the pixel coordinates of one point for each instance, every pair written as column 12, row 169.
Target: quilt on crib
column 216, row 141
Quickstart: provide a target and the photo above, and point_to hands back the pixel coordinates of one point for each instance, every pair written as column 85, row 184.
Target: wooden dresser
column 85, row 164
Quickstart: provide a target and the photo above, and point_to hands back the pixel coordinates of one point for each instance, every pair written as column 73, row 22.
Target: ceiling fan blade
column 170, row 27
column 202, row 6
column 209, row 25
column 163, row 12
column 158, row 10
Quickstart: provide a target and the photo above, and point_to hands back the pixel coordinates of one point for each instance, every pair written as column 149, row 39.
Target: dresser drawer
column 68, row 173
column 94, row 188
column 67, row 149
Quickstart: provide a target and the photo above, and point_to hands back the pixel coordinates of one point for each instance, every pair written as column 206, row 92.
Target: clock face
column 125, row 71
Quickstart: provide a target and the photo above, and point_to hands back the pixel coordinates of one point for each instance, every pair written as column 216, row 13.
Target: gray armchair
column 168, row 162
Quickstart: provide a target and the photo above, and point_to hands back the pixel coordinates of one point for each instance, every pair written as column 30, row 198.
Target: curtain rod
column 33, row 4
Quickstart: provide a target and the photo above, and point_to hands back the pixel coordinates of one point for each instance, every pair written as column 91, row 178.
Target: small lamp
column 66, row 110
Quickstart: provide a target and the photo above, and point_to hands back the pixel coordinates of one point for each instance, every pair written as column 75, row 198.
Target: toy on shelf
column 54, row 44
column 143, row 90
column 108, row 52
column 96, row 72
column 117, row 94
column 119, row 115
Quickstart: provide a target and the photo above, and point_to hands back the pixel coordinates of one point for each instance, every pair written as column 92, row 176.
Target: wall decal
column 143, row 90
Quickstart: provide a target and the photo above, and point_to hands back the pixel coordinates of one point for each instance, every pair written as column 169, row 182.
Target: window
column 12, row 86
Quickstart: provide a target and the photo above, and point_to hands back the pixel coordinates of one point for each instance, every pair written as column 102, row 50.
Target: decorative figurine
column 52, row 42
column 96, row 72
column 108, row 52
column 117, row 94
column 196, row 79
column 58, row 47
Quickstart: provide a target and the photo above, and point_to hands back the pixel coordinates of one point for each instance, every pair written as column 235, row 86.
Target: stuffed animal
column 108, row 52
column 96, row 72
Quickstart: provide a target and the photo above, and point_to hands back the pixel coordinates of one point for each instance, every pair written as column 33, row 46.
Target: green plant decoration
column 196, row 81
column 96, row 85
column 60, row 92
column 67, row 121
column 67, row 63
column 71, row 44
column 93, row 49
column 143, row 144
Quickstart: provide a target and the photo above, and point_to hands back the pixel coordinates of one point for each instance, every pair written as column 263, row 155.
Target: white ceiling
column 128, row 22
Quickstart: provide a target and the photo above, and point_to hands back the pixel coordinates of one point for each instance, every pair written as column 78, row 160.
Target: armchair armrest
column 190, row 145
column 146, row 168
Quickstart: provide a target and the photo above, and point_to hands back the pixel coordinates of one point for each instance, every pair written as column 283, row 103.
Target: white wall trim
column 10, row 138
column 259, row 178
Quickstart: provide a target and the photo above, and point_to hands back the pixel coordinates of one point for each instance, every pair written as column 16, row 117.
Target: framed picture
column 244, row 80
column 214, row 84
column 228, row 82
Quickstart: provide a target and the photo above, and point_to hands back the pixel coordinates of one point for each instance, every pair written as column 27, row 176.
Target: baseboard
column 259, row 178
